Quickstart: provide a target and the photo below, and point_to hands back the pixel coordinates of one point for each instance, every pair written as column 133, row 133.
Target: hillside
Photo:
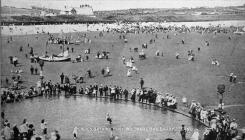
column 182, row 14
column 29, row 16
column 13, row 11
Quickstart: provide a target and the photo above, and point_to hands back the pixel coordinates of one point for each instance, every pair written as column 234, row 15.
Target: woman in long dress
column 129, row 73
column 135, row 69
column 75, row 133
column 108, row 70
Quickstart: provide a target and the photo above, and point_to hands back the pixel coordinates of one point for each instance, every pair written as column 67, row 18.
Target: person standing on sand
column 16, row 132
column 108, row 118
column 11, row 59
column 23, row 129
column 62, row 78
column 198, row 49
column 75, row 133
column 141, row 83
column 57, row 135
column 44, row 127
column 112, row 137
column 123, row 59
column 107, row 71
column 15, row 61
column 129, row 73
column 89, row 73
column 103, row 71
column 177, row 55
column 135, row 69
column 31, row 52
column 183, row 132
column 21, row 49
column 231, row 77
column 53, row 136
column 234, row 78
column 41, row 64
column 87, row 58
column 125, row 92
column 31, row 69
column 36, row 69
column 182, row 41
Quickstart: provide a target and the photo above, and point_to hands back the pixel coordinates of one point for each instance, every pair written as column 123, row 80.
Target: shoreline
column 72, row 28
column 19, row 23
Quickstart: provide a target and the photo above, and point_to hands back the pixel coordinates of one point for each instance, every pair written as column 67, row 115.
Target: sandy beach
column 70, row 28
column 195, row 80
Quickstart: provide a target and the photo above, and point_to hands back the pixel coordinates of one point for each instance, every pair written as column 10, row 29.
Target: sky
column 122, row 4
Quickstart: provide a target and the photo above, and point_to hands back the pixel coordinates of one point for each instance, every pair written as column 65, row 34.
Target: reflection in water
column 130, row 120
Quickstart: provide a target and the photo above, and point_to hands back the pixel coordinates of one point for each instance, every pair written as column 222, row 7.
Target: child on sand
column 75, row 133
column 108, row 118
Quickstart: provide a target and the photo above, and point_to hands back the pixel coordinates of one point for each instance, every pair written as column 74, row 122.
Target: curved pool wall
column 130, row 120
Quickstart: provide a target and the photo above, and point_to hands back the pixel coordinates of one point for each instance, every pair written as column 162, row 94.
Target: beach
column 71, row 28
column 196, row 80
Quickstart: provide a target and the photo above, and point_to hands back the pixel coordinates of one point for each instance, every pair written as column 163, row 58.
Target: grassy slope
column 228, row 13
column 13, row 10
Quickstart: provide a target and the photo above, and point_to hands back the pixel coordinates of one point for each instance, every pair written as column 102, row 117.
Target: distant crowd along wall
column 53, row 28
column 10, row 23
column 227, row 23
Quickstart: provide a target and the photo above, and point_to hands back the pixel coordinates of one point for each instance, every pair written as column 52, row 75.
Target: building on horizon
column 42, row 11
column 85, row 9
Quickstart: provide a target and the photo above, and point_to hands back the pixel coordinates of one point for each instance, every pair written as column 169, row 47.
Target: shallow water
column 130, row 120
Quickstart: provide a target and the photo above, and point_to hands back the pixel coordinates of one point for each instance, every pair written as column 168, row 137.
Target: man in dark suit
column 141, row 83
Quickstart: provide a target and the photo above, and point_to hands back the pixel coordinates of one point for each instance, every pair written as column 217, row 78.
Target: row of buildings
column 86, row 10
column 80, row 10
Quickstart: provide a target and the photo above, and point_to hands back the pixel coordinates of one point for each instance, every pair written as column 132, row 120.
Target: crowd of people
column 26, row 130
column 47, row 88
column 11, row 96
column 136, row 94
column 221, row 126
